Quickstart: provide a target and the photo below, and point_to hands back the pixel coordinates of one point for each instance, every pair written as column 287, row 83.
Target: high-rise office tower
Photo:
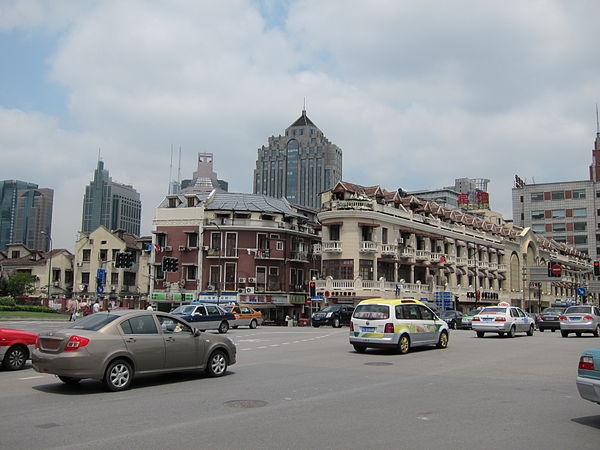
column 298, row 166
column 113, row 205
column 25, row 211
column 204, row 179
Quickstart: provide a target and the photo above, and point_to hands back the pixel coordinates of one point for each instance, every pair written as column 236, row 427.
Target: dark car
column 117, row 346
column 205, row 316
column 452, row 318
column 548, row 319
column 334, row 315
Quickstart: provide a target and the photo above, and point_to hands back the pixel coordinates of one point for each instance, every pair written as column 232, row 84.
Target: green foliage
column 32, row 308
column 21, row 284
column 7, row 301
column 3, row 286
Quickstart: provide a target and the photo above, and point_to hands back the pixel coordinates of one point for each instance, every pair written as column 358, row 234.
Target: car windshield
column 493, row 310
column 448, row 314
column 331, row 308
column 94, row 321
column 553, row 311
column 474, row 311
column 372, row 312
column 184, row 310
column 578, row 310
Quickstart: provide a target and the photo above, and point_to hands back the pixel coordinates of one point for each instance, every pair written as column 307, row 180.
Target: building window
column 384, row 235
column 537, row 196
column 190, row 273
column 231, row 244
column 279, row 245
column 214, row 276
column 537, row 215
column 273, row 281
column 559, row 227
column 192, row 240
column 558, row 214
column 103, row 255
column 85, row 278
column 581, row 239
column 365, row 269
column 261, row 278
column 558, row 195
column 334, row 232
column 579, row 193
column 262, row 241
column 561, row 239
column 580, row 226
column 538, row 228
column 161, row 239
column 215, row 241
column 579, row 212
column 15, row 254
column 342, row 269
column 85, row 255
column 158, row 272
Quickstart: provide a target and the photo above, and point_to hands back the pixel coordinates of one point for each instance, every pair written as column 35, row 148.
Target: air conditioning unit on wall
column 249, row 290
column 210, row 287
column 251, row 280
column 182, row 248
column 241, row 280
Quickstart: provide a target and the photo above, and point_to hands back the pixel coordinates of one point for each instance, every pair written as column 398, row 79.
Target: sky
column 415, row 93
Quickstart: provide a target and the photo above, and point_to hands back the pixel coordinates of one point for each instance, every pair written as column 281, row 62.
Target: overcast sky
column 415, row 93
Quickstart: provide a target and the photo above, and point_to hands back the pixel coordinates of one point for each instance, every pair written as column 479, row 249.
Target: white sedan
column 502, row 320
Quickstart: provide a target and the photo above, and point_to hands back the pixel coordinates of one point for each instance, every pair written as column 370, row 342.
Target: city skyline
column 416, row 96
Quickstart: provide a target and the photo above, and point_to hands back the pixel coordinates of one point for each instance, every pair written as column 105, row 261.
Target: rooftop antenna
column 597, row 122
column 99, row 147
column 304, row 106
column 179, row 168
column 171, row 170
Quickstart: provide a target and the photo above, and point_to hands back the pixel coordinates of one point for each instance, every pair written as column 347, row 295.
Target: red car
column 15, row 347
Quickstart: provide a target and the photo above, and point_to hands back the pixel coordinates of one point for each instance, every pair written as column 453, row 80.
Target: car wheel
column 223, row 327
column 542, row 330
column 15, row 358
column 359, row 348
column 315, row 326
column 403, row 344
column 234, row 327
column 511, row 332
column 443, row 340
column 69, row 380
column 553, row 330
column 480, row 334
column 118, row 375
column 501, row 334
column 597, row 331
column 564, row 334
column 253, row 324
column 336, row 323
column 217, row 364
column 530, row 331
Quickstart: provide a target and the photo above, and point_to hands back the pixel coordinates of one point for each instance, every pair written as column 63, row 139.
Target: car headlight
column 329, row 315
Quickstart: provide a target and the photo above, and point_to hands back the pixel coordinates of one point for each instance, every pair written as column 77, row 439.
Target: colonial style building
column 56, row 264
column 379, row 243
column 97, row 251
column 234, row 247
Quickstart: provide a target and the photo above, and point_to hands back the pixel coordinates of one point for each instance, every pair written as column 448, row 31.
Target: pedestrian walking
column 149, row 307
column 74, row 310
column 96, row 307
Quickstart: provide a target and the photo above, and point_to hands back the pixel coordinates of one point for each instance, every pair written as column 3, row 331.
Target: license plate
column 549, row 318
column 575, row 318
column 487, row 320
column 368, row 329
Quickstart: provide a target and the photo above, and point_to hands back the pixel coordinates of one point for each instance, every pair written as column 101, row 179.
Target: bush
column 31, row 308
column 7, row 301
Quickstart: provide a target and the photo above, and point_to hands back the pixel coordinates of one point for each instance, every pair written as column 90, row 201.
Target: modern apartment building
column 109, row 204
column 234, row 247
column 299, row 165
column 378, row 243
column 25, row 211
column 566, row 211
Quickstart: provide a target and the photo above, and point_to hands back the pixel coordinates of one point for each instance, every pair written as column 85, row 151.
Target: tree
column 21, row 284
column 3, row 286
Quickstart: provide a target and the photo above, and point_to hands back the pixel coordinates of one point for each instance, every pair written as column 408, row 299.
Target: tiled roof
column 230, row 201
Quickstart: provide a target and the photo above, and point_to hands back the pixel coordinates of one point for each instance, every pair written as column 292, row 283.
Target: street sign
column 556, row 270
column 99, row 289
column 540, row 274
column 581, row 291
column 101, row 276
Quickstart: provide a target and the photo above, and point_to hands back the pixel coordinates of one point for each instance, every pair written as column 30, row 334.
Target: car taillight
column 562, row 318
column 588, row 318
column 37, row 342
column 351, row 326
column 500, row 319
column 76, row 342
column 389, row 328
column 586, row 363
column 476, row 319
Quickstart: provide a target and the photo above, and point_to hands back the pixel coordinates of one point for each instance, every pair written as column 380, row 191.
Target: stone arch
column 515, row 272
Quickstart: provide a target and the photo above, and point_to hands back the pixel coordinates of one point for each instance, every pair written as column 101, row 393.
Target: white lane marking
column 31, row 378
column 263, row 346
column 274, row 345
column 285, row 343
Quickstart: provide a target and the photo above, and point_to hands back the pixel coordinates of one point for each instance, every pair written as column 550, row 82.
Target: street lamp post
column 49, row 264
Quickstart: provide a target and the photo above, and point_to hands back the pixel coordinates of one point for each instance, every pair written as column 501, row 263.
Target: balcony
column 493, row 266
column 317, row 249
column 299, row 256
column 422, row 254
column 461, row 261
column 483, row 264
column 502, row 268
column 436, row 257
column 407, row 253
column 368, row 247
column 472, row 262
column 389, row 249
column 331, row 246
column 450, row 260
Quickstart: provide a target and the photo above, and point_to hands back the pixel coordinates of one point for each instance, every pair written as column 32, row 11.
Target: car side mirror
column 197, row 332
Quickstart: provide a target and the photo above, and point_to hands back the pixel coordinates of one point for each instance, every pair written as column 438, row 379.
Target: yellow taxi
column 244, row 316
column 399, row 323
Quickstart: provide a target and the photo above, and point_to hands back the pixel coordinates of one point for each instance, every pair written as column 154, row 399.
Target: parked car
column 468, row 317
column 548, row 319
column 245, row 316
column 334, row 315
column 502, row 320
column 400, row 324
column 580, row 319
column 15, row 347
column 205, row 316
column 588, row 375
column 116, row 346
column 452, row 318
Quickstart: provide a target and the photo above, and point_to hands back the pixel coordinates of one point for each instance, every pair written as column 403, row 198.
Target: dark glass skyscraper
column 298, row 166
column 25, row 211
column 113, row 205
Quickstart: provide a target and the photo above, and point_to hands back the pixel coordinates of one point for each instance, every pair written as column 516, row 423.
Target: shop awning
column 483, row 248
column 460, row 271
column 500, row 277
column 461, row 243
column 470, row 273
column 491, row 275
column 448, row 270
column 500, row 252
column 480, row 274
column 259, row 305
column 471, row 245
column 449, row 240
column 492, row 250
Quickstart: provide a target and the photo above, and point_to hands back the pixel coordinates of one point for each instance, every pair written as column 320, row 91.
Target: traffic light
column 312, row 289
column 596, row 268
column 174, row 264
column 119, row 261
column 170, row 264
column 127, row 259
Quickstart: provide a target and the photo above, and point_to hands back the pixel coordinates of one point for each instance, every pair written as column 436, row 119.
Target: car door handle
column 170, row 339
column 130, row 340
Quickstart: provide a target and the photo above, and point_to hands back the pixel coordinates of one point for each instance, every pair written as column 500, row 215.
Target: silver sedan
column 116, row 346
column 580, row 319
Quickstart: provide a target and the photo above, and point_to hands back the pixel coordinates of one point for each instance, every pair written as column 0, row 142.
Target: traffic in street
column 305, row 387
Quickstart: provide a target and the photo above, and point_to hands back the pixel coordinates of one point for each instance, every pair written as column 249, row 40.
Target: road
column 306, row 388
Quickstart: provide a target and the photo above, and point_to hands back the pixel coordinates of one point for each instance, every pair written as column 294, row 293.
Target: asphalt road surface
column 306, row 388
